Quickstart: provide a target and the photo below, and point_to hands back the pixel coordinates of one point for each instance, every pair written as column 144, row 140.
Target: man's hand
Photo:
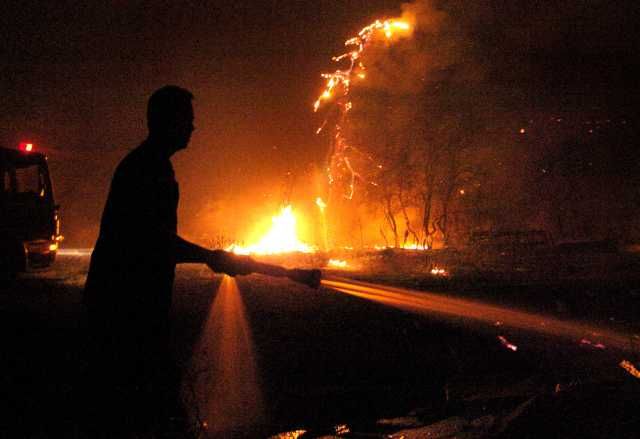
column 221, row 261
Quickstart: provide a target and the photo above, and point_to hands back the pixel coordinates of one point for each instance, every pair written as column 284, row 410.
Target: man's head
column 170, row 117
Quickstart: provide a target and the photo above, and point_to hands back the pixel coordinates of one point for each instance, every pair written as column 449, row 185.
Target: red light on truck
column 25, row 146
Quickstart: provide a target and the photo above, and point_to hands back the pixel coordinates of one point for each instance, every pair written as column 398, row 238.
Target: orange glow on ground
column 337, row 263
column 404, row 247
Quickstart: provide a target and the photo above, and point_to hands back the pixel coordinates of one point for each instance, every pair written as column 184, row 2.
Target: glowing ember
column 289, row 435
column 507, row 344
column 415, row 247
column 337, row 263
column 585, row 341
column 404, row 247
column 281, row 238
column 629, row 367
column 436, row 271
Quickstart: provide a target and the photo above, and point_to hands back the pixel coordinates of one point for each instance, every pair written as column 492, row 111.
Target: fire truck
column 29, row 216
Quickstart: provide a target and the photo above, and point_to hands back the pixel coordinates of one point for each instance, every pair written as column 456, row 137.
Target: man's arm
column 226, row 262
column 186, row 252
column 218, row 260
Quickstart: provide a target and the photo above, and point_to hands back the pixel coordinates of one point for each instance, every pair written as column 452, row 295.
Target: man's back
column 133, row 262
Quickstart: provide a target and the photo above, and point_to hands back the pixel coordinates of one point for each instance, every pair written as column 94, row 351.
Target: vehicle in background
column 29, row 216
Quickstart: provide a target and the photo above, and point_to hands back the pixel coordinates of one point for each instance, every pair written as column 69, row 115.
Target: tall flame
column 282, row 237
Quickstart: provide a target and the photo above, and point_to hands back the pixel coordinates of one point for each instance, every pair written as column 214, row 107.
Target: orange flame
column 282, row 237
column 629, row 367
column 337, row 263
column 321, row 204
column 389, row 27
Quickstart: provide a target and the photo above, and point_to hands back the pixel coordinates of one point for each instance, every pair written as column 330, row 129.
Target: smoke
column 436, row 44
column 423, row 15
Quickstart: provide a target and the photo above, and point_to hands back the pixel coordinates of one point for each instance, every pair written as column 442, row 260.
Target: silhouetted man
column 129, row 285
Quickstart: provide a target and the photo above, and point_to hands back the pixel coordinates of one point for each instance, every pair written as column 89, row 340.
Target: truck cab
column 29, row 216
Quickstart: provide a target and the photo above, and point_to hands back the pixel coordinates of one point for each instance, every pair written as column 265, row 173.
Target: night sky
column 76, row 76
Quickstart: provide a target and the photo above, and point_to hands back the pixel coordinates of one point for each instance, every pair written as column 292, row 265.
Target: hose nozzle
column 310, row 278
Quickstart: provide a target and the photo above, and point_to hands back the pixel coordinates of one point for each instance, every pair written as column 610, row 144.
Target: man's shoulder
column 131, row 166
column 131, row 157
column 141, row 163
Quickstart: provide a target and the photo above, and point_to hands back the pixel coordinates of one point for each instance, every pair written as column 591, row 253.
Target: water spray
column 423, row 302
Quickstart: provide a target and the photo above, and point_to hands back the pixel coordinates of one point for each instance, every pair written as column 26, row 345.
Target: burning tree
column 436, row 127
column 403, row 136
column 348, row 162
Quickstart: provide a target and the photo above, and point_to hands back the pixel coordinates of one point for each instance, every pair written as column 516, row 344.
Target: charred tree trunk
column 408, row 228
column 443, row 221
column 427, row 224
column 384, row 236
column 428, row 227
column 391, row 219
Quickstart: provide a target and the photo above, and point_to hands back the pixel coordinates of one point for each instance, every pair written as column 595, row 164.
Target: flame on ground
column 413, row 246
column 629, row 367
column 337, row 263
column 295, row 434
column 282, row 237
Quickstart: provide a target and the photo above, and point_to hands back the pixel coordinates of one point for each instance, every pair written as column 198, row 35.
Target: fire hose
column 247, row 265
